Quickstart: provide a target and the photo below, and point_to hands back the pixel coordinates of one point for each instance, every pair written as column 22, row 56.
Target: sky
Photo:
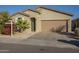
column 73, row 9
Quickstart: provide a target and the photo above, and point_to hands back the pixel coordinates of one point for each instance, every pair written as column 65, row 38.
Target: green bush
column 77, row 31
column 22, row 25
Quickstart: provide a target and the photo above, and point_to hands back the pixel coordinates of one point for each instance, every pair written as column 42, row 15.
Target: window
column 19, row 18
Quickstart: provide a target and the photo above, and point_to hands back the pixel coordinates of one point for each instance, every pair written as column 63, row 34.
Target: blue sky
column 74, row 9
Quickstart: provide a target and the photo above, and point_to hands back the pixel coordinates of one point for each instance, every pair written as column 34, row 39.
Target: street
column 19, row 48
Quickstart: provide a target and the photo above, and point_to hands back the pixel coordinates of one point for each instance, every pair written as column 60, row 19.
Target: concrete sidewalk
column 19, row 36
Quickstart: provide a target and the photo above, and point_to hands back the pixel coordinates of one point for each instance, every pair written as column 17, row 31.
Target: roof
column 57, row 11
column 21, row 14
column 32, row 11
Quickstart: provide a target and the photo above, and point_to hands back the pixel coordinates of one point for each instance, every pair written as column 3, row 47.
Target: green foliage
column 77, row 22
column 22, row 24
column 4, row 17
column 77, row 31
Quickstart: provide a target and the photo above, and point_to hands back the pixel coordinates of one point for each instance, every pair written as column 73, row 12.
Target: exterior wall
column 53, row 25
column 69, row 25
column 38, row 25
column 36, row 15
column 15, row 17
column 51, row 15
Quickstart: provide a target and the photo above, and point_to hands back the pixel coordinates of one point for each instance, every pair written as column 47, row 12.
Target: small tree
column 77, row 27
column 4, row 17
column 22, row 25
column 1, row 26
column 77, row 22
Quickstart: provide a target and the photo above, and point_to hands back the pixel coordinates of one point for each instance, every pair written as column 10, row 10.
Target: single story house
column 43, row 19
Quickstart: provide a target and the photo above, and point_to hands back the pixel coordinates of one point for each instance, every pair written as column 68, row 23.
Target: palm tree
column 4, row 17
column 22, row 25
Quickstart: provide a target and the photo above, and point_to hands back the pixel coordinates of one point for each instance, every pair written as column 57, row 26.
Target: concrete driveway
column 52, row 39
column 49, row 39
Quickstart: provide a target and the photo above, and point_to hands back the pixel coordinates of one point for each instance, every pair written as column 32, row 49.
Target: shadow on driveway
column 70, row 35
column 73, row 42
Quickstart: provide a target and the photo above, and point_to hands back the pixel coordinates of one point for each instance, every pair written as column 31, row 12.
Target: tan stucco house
column 44, row 19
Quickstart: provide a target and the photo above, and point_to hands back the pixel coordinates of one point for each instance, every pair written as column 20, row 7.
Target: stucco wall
column 51, row 15
column 37, row 17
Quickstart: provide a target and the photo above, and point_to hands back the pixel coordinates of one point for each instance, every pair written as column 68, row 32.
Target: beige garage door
column 54, row 25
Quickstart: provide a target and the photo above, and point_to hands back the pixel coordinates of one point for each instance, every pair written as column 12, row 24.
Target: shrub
column 77, row 31
column 22, row 25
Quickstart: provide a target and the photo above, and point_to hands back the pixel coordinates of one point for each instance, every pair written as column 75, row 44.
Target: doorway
column 33, row 24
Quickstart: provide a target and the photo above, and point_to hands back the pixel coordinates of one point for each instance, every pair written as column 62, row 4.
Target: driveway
column 49, row 39
column 52, row 39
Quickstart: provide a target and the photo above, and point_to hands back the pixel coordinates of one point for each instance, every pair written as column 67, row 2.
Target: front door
column 33, row 24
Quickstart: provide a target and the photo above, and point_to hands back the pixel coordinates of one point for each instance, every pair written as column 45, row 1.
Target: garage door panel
column 53, row 25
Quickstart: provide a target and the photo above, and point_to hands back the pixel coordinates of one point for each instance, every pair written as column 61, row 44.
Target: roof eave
column 20, row 13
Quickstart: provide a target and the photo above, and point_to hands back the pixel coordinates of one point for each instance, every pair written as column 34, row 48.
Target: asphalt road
column 19, row 48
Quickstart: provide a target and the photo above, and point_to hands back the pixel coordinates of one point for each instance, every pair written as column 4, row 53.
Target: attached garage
column 54, row 25
column 54, row 20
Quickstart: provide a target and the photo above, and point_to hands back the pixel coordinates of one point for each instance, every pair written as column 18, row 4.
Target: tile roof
column 32, row 11
column 21, row 14
column 57, row 11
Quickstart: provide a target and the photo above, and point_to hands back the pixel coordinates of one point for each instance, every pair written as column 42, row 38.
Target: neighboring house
column 44, row 19
column 75, row 24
